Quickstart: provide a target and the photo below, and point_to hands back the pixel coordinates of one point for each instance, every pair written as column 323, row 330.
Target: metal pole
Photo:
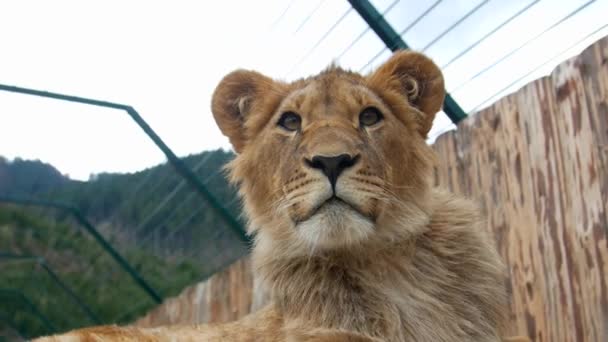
column 393, row 41
column 91, row 229
column 177, row 163
column 42, row 262
column 194, row 181
column 125, row 265
column 69, row 291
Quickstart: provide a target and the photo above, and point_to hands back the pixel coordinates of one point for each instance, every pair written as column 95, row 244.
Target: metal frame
column 188, row 175
column 177, row 163
column 393, row 42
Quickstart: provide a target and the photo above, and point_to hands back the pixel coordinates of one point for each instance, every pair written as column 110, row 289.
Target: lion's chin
column 334, row 224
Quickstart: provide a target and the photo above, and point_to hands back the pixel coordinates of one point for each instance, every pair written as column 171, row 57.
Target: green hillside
column 105, row 194
column 156, row 221
column 101, row 285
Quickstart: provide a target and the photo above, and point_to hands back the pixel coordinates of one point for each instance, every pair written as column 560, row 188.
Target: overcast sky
column 165, row 57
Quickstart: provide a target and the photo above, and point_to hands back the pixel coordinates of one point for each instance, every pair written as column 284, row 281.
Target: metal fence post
column 393, row 42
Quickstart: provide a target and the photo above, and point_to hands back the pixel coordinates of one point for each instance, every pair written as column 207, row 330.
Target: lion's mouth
column 335, row 204
column 333, row 200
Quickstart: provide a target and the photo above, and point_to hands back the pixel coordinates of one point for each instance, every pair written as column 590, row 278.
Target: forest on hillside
column 156, row 220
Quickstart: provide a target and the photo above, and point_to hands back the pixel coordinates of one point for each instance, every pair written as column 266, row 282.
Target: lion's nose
column 332, row 166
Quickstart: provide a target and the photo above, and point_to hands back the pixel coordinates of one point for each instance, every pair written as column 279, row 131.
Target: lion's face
column 333, row 160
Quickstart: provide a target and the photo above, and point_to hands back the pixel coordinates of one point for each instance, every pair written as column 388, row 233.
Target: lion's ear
column 418, row 79
column 233, row 101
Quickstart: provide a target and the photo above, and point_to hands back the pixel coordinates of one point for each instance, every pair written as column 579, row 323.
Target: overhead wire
column 188, row 198
column 140, row 186
column 487, row 35
column 134, row 232
column 323, row 37
column 366, row 30
column 462, row 53
column 454, row 25
column 181, row 184
column 527, row 74
column 527, row 42
column 310, row 15
column 535, row 69
column 404, row 31
column 282, row 15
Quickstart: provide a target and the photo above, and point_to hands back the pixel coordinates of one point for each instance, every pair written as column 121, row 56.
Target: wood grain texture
column 537, row 162
column 224, row 297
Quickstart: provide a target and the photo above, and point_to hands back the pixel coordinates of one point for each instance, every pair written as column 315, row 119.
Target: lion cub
column 351, row 239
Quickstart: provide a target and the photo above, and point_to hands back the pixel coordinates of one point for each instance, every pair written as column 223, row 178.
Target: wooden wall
column 225, row 297
column 537, row 161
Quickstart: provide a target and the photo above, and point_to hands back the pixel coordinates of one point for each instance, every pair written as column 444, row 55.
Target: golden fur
column 392, row 260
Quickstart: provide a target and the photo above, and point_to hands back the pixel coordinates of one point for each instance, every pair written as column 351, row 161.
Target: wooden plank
column 536, row 160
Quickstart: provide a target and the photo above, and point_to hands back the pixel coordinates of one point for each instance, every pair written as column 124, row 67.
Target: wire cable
column 181, row 184
column 404, row 31
column 310, row 15
column 535, row 69
column 458, row 22
column 329, row 31
column 367, row 29
column 282, row 15
column 503, row 58
column 487, row 35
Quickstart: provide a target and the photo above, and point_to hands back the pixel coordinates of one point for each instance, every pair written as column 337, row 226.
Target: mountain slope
column 153, row 218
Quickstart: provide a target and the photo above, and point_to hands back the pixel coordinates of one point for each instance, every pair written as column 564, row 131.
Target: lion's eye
column 370, row 116
column 290, row 121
